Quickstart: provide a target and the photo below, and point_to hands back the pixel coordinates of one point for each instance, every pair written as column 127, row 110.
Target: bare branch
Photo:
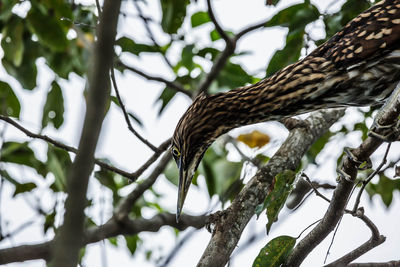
column 69, row 238
column 232, row 222
column 375, row 264
column 388, row 116
column 170, row 84
column 222, row 58
column 146, row 21
column 126, row 116
column 218, row 27
column 126, row 205
column 131, row 176
column 375, row 240
column 369, row 178
column 97, row 233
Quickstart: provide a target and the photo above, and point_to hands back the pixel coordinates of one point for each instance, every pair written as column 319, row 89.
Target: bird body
column 358, row 66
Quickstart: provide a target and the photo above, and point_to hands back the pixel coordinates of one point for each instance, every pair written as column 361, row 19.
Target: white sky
column 118, row 144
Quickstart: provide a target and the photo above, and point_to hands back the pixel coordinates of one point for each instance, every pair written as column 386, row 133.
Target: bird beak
column 185, row 179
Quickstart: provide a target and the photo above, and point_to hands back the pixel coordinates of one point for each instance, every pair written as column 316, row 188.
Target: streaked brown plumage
column 358, row 66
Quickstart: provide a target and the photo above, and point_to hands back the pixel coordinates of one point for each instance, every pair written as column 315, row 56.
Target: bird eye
column 175, row 152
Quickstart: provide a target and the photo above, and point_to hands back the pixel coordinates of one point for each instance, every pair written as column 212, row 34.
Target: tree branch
column 375, row 240
column 69, row 238
column 97, row 233
column 131, row 176
column 388, row 116
column 230, row 46
column 230, row 225
column 170, row 84
column 126, row 116
column 218, row 27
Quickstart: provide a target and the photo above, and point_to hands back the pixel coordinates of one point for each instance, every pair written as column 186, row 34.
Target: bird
column 358, row 66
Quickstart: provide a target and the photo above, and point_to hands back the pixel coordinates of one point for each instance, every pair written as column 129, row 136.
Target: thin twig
column 369, row 178
column 150, row 32
column 131, row 176
column 375, row 240
column 126, row 116
column 218, row 27
column 314, row 188
column 170, row 84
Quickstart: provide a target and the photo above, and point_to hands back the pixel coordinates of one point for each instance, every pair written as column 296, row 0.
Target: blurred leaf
column 209, row 53
column 112, row 181
column 22, row 188
column 187, row 57
column 49, row 221
column 6, row 7
column 129, row 45
column 272, row 2
column 317, row 147
column 113, row 241
column 9, row 102
column 214, row 35
column 233, row 76
column 282, row 186
column 48, row 29
column 275, row 252
column 199, row 18
column 171, row 173
column 166, row 96
column 289, row 54
column 173, row 14
column 254, row 139
column 132, row 242
column 53, row 110
column 295, row 17
column 384, row 188
column 26, row 72
column 58, row 163
column 21, row 153
column 362, row 127
column 12, row 40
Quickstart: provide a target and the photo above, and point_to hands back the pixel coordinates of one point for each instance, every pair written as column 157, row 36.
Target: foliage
column 61, row 35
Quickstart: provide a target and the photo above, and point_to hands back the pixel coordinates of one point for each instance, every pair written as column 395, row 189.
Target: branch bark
column 111, row 228
column 387, row 116
column 232, row 222
column 69, row 240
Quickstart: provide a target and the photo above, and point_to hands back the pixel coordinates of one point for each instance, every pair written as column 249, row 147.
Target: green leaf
column 113, row 241
column 173, row 14
column 233, row 76
column 22, row 188
column 49, row 221
column 282, row 186
column 317, row 147
column 129, row 45
column 6, row 7
column 289, row 54
column 384, row 188
column 187, row 57
column 27, row 71
column 295, row 17
column 275, row 252
column 171, row 173
column 48, row 29
column 9, row 102
column 58, row 163
column 112, row 181
column 12, row 40
column 166, row 96
column 21, row 153
column 53, row 110
column 132, row 243
column 199, row 18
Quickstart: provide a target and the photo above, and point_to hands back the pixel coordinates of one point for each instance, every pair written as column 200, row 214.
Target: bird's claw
column 390, row 133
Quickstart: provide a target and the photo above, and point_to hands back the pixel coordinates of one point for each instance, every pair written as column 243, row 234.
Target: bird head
column 194, row 133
